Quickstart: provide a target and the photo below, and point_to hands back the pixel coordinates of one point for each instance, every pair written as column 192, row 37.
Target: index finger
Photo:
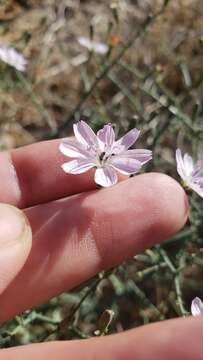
column 32, row 174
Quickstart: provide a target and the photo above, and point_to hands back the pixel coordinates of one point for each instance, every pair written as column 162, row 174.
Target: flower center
column 101, row 156
column 104, row 157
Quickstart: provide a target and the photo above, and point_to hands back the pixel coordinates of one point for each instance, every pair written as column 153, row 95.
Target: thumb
column 15, row 243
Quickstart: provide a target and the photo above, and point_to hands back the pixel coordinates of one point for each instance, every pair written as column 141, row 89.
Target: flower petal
column 12, row 57
column 197, row 173
column 197, row 187
column 98, row 47
column 126, row 141
column 188, row 164
column 197, row 179
column 197, row 307
column 126, row 165
column 180, row 165
column 72, row 148
column 78, row 166
column 106, row 138
column 84, row 134
column 105, row 176
column 142, row 155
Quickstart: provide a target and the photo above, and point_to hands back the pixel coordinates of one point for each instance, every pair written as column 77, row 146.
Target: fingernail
column 15, row 243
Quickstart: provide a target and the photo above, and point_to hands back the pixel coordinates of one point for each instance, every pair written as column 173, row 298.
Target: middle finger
column 76, row 237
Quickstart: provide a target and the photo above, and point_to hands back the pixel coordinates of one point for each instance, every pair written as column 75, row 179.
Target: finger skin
column 179, row 339
column 76, row 237
column 32, row 174
column 15, row 243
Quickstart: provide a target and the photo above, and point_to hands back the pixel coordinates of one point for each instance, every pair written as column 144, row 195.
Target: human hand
column 76, row 237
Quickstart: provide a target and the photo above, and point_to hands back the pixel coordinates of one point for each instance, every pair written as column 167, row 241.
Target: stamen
column 101, row 156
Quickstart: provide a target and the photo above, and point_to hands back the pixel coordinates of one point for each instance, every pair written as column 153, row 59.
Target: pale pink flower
column 12, row 57
column 190, row 172
column 197, row 307
column 91, row 45
column 103, row 152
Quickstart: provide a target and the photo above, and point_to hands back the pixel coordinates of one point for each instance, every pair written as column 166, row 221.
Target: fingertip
column 165, row 204
column 15, row 243
column 171, row 199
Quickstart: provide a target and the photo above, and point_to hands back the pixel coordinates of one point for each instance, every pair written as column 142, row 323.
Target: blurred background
column 135, row 63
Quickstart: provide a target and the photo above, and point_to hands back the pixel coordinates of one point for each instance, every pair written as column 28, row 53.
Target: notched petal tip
column 73, row 149
column 62, row 148
column 84, row 134
column 106, row 138
column 125, row 142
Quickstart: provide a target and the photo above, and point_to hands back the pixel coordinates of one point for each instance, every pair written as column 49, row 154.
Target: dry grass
column 155, row 85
